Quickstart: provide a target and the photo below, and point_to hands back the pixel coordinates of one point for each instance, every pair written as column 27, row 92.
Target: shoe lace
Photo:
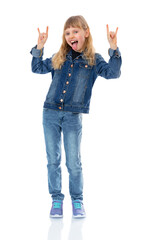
column 57, row 204
column 77, row 205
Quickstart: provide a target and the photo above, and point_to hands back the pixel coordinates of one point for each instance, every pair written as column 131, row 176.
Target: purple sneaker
column 78, row 209
column 57, row 209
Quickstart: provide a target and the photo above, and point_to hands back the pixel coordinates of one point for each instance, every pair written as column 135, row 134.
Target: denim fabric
column 69, row 95
column 71, row 86
column 70, row 124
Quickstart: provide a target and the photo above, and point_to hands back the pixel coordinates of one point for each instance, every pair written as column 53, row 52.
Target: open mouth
column 74, row 44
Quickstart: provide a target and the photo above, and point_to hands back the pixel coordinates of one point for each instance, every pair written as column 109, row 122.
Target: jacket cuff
column 113, row 52
column 37, row 52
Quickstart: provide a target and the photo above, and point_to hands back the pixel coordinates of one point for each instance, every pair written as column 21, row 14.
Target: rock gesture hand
column 112, row 38
column 42, row 38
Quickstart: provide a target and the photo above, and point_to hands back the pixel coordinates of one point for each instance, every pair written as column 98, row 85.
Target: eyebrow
column 73, row 29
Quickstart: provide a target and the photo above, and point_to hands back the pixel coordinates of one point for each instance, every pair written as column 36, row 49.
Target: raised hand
column 42, row 38
column 112, row 38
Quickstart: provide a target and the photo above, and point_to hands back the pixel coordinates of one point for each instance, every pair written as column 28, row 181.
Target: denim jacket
column 71, row 86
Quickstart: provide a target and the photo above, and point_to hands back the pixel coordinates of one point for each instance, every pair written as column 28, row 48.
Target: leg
column 52, row 133
column 72, row 132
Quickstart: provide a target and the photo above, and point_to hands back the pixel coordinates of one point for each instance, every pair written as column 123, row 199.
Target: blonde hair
column 88, row 49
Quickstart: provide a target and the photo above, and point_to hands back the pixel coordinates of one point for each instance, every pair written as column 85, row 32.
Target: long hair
column 88, row 49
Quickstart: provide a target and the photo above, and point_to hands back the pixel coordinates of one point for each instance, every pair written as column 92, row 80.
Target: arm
column 38, row 64
column 112, row 68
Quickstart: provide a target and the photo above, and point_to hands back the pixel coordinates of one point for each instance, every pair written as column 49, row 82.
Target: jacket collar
column 69, row 55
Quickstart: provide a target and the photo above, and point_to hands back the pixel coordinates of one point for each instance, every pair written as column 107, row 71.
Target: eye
column 75, row 31
column 67, row 33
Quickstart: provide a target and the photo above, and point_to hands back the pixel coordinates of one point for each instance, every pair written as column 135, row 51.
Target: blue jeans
column 70, row 124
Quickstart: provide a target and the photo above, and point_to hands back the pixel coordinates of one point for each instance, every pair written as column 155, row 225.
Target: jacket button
column 86, row 66
column 64, row 91
column 67, row 82
column 61, row 100
column 69, row 74
column 60, row 108
column 71, row 65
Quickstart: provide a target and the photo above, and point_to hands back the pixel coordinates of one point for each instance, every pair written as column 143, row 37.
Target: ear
column 87, row 33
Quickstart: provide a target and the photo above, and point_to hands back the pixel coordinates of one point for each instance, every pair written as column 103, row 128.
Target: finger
column 41, row 37
column 107, row 29
column 116, row 31
column 38, row 31
column 112, row 34
column 47, row 30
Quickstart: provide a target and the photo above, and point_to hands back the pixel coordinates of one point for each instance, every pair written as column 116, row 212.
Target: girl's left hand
column 112, row 38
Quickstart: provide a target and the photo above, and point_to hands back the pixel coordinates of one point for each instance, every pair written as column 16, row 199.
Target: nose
column 71, row 36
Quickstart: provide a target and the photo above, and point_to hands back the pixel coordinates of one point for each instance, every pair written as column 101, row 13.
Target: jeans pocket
column 45, row 109
column 74, row 113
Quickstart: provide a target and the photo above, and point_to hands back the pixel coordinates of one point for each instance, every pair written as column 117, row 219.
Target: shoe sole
column 56, row 216
column 79, row 216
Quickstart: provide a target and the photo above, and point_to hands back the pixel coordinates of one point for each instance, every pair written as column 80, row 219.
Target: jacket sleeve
column 39, row 65
column 112, row 68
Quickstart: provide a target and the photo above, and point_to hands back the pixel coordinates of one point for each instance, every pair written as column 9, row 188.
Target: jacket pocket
column 53, row 87
column 82, row 78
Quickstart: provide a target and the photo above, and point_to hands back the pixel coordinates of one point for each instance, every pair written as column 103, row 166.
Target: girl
column 74, row 69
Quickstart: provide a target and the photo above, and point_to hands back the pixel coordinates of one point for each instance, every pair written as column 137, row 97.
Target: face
column 75, row 37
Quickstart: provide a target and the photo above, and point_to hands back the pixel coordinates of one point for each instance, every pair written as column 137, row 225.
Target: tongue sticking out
column 74, row 46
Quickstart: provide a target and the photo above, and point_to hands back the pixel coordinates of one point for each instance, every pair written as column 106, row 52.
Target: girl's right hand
column 42, row 38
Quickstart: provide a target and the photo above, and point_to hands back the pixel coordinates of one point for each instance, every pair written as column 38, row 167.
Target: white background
column 121, row 135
